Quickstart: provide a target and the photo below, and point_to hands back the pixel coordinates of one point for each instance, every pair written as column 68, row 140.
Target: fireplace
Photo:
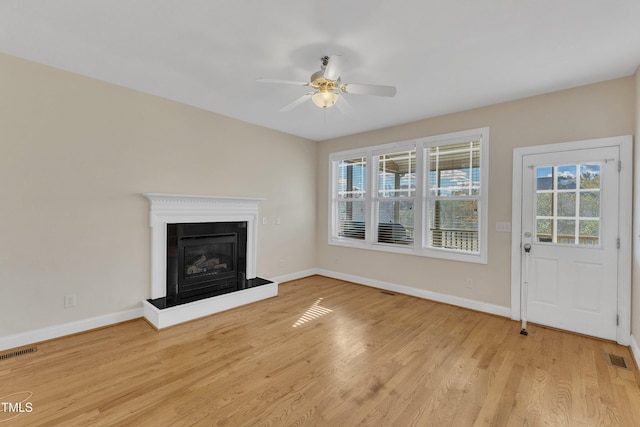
column 205, row 259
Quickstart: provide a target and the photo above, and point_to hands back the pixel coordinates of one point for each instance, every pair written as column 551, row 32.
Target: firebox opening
column 205, row 258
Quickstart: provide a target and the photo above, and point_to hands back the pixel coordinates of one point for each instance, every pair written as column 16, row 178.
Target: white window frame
column 482, row 198
column 420, row 244
column 333, row 197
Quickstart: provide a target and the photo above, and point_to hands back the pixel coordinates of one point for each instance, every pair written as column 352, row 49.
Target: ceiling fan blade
column 343, row 106
column 334, row 67
column 283, row 82
column 297, row 102
column 360, row 89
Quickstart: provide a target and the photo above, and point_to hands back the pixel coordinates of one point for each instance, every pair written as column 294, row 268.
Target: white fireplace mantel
column 176, row 209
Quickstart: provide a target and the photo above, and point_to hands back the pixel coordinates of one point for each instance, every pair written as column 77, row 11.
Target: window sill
column 447, row 254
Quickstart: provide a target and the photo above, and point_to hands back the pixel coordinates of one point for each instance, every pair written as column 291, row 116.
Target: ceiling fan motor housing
column 318, row 81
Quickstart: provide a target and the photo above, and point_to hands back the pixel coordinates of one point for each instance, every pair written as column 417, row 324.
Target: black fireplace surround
column 205, row 260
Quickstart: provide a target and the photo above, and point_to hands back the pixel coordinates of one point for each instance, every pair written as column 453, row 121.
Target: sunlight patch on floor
column 314, row 312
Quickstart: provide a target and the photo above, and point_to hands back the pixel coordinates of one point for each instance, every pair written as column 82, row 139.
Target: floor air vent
column 617, row 361
column 388, row 293
column 18, row 353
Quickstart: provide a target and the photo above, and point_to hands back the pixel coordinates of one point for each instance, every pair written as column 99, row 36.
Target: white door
column 570, row 220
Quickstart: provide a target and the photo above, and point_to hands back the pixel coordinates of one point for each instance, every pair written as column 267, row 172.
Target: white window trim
column 419, row 246
column 454, row 138
column 333, row 177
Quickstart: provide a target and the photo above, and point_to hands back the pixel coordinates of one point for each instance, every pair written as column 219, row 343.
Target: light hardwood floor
column 326, row 353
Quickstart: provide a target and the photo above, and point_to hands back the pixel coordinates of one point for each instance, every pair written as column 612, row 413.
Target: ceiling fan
column 327, row 85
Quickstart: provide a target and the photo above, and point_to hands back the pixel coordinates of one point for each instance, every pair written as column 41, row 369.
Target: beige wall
column 76, row 155
column 599, row 110
column 635, row 287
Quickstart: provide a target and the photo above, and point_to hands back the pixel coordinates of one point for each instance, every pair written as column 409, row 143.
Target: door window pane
column 545, row 204
column 566, row 230
column 568, row 204
column 589, row 176
column 589, row 232
column 544, row 178
column 544, row 230
column 590, row 204
column 566, row 177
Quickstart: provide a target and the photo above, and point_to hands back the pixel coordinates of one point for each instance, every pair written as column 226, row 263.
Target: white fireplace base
column 163, row 318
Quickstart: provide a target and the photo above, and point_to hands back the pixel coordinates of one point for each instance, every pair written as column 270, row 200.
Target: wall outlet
column 469, row 283
column 69, row 300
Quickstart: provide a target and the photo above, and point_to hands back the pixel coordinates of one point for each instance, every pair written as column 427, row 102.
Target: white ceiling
column 442, row 55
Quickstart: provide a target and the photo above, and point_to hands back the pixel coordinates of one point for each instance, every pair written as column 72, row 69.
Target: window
column 423, row 197
column 350, row 203
column 568, row 204
column 453, row 196
column 396, row 193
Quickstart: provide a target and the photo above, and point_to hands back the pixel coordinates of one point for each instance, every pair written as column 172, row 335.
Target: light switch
column 503, row 227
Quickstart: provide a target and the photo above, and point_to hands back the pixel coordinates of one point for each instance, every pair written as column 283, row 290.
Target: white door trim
column 625, row 144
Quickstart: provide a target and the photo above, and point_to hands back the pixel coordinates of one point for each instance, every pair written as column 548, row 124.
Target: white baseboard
column 57, row 331
column 421, row 293
column 295, row 276
column 635, row 350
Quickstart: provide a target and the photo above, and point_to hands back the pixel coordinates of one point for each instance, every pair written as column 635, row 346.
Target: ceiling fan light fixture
column 324, row 99
column 326, row 86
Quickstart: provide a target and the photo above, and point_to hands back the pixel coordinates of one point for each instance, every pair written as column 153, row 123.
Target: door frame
column 625, row 203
